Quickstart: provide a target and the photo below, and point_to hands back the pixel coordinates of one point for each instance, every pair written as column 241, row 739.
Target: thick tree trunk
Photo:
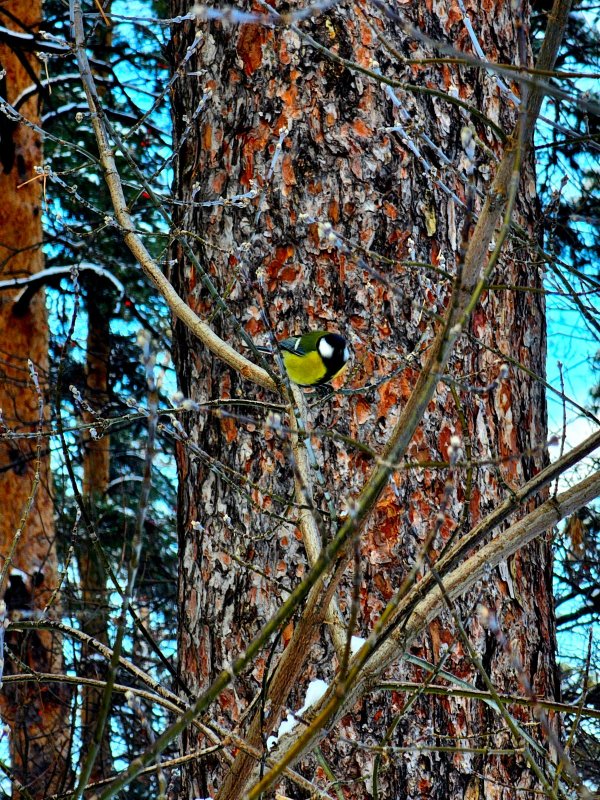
column 37, row 714
column 239, row 548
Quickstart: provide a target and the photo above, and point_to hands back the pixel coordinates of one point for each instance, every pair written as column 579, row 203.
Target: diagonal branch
column 364, row 670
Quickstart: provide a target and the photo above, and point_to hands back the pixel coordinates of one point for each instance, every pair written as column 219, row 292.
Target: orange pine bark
column 380, row 284
column 37, row 713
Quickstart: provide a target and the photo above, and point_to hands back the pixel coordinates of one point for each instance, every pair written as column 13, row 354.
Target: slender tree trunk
column 96, row 475
column 37, row 714
column 341, row 166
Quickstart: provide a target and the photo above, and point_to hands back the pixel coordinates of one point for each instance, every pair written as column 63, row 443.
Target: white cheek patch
column 346, row 354
column 325, row 349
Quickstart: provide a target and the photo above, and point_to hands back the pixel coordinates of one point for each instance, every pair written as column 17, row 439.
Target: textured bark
column 340, row 165
column 36, row 713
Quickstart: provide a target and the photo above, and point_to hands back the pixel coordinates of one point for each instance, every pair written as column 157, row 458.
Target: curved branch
column 177, row 305
column 50, row 277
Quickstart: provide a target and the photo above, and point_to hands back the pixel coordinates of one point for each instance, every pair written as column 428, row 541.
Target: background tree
column 567, row 147
column 36, row 714
column 76, row 235
column 103, row 365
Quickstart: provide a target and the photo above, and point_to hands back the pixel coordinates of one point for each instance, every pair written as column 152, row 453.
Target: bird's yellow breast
column 304, row 370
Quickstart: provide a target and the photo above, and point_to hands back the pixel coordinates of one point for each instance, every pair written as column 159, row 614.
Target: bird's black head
column 335, row 352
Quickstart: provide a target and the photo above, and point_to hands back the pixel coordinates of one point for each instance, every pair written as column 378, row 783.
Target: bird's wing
column 292, row 345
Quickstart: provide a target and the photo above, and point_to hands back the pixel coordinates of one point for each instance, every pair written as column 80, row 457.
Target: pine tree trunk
column 240, row 551
column 36, row 713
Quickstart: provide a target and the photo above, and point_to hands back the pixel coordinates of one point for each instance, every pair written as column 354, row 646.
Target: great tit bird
column 313, row 358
